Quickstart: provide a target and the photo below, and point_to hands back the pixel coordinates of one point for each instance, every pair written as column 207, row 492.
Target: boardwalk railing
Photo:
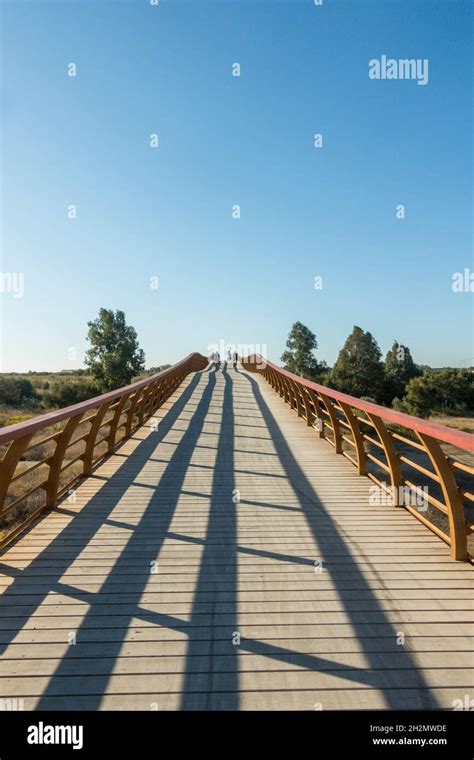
column 44, row 457
column 428, row 466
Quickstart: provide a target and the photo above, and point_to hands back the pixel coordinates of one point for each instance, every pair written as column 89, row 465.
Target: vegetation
column 16, row 391
column 114, row 356
column 299, row 357
column 358, row 369
column 398, row 381
column 399, row 369
column 446, row 391
column 63, row 393
column 152, row 371
column 114, row 359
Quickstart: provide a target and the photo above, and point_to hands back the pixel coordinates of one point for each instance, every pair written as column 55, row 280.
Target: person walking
column 235, row 359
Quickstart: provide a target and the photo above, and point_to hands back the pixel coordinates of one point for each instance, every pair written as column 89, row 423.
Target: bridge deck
column 164, row 636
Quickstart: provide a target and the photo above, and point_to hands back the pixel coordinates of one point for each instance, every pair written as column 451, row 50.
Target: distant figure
column 235, row 359
column 229, row 356
column 218, row 359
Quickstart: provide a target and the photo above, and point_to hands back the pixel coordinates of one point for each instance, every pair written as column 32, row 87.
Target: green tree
column 299, row 358
column 445, row 391
column 115, row 356
column 358, row 369
column 399, row 370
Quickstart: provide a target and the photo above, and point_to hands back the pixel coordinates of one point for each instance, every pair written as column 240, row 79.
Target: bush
column 16, row 419
column 446, row 391
column 63, row 393
column 16, row 391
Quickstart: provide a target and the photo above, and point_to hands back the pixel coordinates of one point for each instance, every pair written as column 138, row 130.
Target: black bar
column 436, row 734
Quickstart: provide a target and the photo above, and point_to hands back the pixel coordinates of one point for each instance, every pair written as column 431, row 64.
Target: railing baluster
column 393, row 460
column 9, row 464
column 357, row 436
column 287, row 392
column 452, row 498
column 154, row 397
column 143, row 404
column 307, row 407
column 55, row 465
column 281, row 388
column 131, row 412
column 334, row 422
column 275, row 383
column 91, row 438
column 319, row 414
column 161, row 395
column 297, row 400
column 118, row 411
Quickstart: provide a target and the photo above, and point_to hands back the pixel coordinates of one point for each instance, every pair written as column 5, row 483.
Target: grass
column 460, row 423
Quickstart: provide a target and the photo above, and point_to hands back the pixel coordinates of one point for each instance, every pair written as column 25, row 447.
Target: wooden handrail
column 137, row 401
column 445, row 434
column 338, row 407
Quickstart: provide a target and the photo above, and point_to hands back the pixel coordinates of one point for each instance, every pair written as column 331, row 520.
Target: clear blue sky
column 225, row 140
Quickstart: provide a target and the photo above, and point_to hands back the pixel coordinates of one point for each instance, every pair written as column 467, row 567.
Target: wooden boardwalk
column 184, row 571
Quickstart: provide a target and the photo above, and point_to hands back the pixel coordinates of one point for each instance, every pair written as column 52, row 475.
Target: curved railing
column 381, row 442
column 44, row 457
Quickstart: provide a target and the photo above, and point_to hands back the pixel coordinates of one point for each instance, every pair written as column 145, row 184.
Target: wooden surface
column 235, row 499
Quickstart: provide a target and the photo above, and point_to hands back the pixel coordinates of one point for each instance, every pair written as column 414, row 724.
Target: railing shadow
column 222, row 517
column 162, row 504
column 321, row 528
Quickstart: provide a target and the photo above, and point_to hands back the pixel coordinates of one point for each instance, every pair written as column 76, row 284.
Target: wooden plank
column 240, row 662
column 162, row 649
column 166, row 683
column 200, row 619
column 217, row 633
column 356, row 699
column 208, row 604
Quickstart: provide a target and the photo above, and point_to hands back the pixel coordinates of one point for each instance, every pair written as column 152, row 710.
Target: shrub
column 16, row 391
column 63, row 393
column 446, row 391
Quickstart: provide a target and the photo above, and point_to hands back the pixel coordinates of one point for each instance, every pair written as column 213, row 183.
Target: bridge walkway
column 225, row 558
